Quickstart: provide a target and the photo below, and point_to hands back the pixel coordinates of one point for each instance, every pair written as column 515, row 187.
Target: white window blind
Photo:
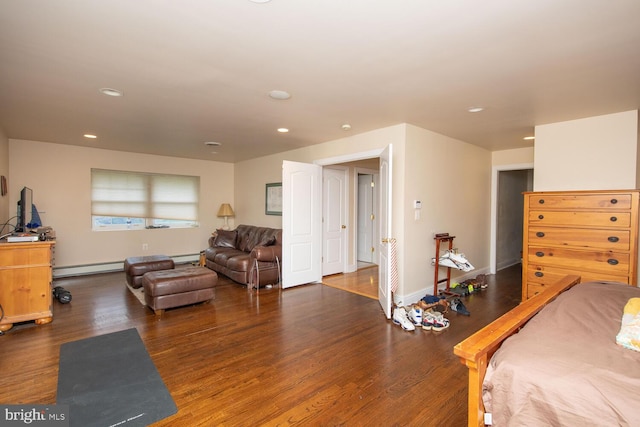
column 144, row 195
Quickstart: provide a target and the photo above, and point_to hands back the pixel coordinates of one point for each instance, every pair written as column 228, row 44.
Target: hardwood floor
column 363, row 282
column 310, row 355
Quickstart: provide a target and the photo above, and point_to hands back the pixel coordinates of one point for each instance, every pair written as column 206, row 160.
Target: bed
column 553, row 360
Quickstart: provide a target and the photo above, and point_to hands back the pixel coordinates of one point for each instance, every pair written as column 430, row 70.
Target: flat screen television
column 25, row 209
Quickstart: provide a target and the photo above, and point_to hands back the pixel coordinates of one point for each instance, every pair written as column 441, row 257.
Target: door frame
column 351, row 219
column 494, row 209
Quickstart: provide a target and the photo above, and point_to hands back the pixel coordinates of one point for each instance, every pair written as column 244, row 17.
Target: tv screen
column 25, row 209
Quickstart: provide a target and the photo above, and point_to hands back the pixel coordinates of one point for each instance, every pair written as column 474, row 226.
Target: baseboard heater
column 109, row 267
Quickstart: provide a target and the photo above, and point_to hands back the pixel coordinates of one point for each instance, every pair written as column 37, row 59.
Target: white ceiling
column 200, row 70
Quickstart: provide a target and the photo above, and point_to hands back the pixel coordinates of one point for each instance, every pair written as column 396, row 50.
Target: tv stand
column 25, row 282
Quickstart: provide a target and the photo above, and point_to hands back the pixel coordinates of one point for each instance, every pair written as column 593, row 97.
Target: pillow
column 269, row 241
column 629, row 335
column 226, row 239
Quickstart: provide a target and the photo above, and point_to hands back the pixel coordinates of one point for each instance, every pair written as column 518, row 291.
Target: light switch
column 417, row 204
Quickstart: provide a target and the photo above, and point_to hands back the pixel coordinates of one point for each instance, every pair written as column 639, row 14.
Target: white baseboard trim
column 109, row 267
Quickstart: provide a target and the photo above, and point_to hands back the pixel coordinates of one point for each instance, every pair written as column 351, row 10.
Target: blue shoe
column 457, row 306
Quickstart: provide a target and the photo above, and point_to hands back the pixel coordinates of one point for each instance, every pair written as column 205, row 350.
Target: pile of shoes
column 428, row 313
column 469, row 286
column 415, row 316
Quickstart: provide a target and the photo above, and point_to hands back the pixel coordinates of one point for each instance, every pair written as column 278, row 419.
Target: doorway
column 361, row 273
column 509, row 182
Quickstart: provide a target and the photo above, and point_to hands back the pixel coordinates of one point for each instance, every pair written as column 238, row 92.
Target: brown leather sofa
column 249, row 255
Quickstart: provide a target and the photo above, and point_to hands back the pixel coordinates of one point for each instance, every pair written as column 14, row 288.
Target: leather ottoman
column 136, row 267
column 174, row 288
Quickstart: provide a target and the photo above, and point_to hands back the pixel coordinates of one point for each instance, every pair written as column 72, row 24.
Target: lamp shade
column 225, row 210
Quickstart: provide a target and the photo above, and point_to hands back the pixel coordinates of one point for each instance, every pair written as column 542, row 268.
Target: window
column 123, row 200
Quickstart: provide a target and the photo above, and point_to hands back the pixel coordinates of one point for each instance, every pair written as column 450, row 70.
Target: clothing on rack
column 455, row 260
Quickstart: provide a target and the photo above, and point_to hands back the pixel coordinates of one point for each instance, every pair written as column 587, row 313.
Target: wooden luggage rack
column 440, row 238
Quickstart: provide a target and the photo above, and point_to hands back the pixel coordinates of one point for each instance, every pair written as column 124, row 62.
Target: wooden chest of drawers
column 25, row 282
column 592, row 234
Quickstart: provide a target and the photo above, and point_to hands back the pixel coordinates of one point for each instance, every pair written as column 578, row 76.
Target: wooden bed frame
column 476, row 351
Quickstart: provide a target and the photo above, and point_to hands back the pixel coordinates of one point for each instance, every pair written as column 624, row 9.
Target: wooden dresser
column 25, row 282
column 593, row 234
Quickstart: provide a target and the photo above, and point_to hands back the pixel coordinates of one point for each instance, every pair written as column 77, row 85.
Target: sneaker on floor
column 400, row 318
column 457, row 306
column 428, row 319
column 439, row 322
column 415, row 315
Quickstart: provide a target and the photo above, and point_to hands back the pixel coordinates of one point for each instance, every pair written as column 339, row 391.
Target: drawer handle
column 540, row 216
column 614, row 201
column 613, row 239
column 539, row 234
column 541, row 201
column 613, row 219
column 540, row 254
column 539, row 274
column 612, row 261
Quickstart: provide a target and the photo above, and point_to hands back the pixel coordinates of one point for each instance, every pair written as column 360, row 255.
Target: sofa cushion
column 239, row 263
column 251, row 236
column 268, row 241
column 223, row 257
column 226, row 239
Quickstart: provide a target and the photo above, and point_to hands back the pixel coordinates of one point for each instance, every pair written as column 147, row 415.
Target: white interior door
column 385, row 245
column 334, row 191
column 301, row 223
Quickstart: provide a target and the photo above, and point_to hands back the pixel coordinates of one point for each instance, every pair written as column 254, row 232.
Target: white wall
column 453, row 180
column 252, row 175
column 512, row 157
column 60, row 177
column 595, row 153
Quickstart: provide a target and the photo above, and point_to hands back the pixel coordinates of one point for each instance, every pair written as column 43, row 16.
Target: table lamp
column 225, row 211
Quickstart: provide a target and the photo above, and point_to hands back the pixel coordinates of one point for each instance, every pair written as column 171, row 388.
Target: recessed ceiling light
column 259, row 1
column 346, row 127
column 529, row 138
column 475, row 109
column 90, row 136
column 111, row 92
column 213, row 144
column 280, row 95
column 283, row 130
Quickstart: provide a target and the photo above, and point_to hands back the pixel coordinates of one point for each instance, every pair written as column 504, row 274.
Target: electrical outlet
column 145, row 246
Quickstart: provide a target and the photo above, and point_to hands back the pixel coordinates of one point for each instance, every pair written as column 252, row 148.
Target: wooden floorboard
column 310, row 355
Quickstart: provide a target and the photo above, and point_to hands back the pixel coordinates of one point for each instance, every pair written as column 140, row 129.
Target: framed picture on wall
column 273, row 199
